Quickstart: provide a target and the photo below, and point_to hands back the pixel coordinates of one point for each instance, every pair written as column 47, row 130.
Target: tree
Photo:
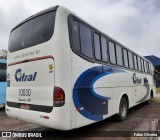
column 3, row 54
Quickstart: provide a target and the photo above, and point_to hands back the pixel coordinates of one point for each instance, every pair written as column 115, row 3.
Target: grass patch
column 155, row 100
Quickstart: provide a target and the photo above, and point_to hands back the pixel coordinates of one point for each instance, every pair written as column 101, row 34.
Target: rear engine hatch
column 31, row 83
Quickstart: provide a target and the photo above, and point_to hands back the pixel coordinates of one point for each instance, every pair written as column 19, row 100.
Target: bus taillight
column 59, row 97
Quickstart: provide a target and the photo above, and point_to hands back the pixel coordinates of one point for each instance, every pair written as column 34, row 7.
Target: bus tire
column 123, row 110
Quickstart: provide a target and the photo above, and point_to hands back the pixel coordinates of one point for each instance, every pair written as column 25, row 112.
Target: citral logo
column 22, row 77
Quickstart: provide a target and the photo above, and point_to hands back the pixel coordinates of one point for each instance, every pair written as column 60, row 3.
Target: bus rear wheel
column 123, row 110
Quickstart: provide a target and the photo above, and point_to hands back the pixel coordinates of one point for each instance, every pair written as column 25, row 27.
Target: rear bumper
column 59, row 118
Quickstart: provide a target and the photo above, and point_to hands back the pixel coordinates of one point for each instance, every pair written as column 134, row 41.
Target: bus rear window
column 33, row 32
column 2, row 72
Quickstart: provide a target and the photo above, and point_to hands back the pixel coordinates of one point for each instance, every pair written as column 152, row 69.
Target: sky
column 133, row 23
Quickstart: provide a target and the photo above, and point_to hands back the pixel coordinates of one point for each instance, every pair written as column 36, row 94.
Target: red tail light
column 59, row 96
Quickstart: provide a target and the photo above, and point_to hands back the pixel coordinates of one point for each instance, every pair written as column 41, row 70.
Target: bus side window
column 97, row 46
column 2, row 73
column 139, row 64
column 104, row 49
column 125, row 57
column 142, row 65
column 75, row 35
column 150, row 68
column 135, row 62
column 112, row 54
column 130, row 55
column 150, row 71
column 145, row 68
column 86, row 41
column 119, row 55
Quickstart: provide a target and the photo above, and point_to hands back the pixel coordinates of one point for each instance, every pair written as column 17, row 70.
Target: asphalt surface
column 144, row 117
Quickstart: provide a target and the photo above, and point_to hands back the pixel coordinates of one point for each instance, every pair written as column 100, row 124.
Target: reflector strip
column 44, row 117
column 33, row 59
column 81, row 108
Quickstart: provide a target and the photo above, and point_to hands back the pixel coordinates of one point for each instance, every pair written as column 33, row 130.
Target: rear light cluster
column 59, row 97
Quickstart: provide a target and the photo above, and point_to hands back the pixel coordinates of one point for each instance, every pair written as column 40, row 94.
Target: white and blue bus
column 64, row 73
column 2, row 82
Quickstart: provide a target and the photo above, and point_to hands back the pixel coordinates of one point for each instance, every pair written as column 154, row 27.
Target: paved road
column 142, row 117
column 11, row 124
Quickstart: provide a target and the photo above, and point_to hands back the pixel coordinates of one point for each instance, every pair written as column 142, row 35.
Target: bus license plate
column 25, row 106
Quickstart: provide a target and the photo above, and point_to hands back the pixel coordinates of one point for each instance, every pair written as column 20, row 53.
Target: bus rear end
column 2, row 82
column 31, row 91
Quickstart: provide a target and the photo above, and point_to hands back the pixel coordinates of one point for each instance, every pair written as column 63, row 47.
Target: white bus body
column 51, row 83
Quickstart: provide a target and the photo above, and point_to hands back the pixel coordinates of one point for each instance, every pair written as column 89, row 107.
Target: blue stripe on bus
column 87, row 102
